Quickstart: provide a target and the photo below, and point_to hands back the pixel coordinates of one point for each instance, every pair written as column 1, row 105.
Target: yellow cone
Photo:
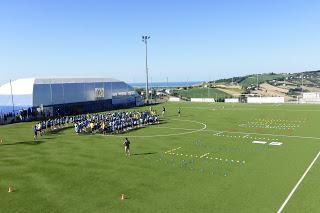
column 10, row 189
column 122, row 197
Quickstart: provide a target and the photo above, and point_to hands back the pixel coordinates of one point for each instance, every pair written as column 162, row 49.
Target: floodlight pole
column 302, row 83
column 145, row 40
column 188, row 83
column 12, row 97
column 151, row 87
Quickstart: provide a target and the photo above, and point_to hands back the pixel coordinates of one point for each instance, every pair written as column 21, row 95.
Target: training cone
column 122, row 197
column 10, row 189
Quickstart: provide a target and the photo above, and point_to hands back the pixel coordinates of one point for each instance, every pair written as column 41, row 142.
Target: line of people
column 117, row 122
column 54, row 124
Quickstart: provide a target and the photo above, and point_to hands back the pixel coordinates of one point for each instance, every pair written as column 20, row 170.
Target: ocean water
column 165, row 84
column 7, row 109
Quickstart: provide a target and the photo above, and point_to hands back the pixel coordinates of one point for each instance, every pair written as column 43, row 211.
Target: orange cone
column 10, row 189
column 122, row 197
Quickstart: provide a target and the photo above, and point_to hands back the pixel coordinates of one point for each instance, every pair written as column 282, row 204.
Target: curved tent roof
column 72, row 80
column 24, row 86
column 23, row 90
column 19, row 87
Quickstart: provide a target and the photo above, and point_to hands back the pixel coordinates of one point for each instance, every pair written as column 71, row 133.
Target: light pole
column 12, row 97
column 145, row 40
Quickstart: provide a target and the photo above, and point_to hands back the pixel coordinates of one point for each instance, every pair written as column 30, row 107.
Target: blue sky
column 190, row 40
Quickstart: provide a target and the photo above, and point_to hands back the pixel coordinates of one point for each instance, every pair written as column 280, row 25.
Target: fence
column 174, row 99
column 231, row 100
column 203, row 100
column 265, row 100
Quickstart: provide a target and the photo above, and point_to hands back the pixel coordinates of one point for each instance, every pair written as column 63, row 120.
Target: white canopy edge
column 22, row 86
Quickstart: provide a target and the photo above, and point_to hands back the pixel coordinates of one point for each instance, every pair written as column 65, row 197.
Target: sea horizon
column 166, row 84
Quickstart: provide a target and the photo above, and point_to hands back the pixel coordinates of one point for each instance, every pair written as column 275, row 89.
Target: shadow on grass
column 125, row 132
column 176, row 116
column 161, row 123
column 48, row 138
column 58, row 131
column 146, row 153
column 24, row 143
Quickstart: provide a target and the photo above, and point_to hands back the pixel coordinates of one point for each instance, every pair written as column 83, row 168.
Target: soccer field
column 214, row 158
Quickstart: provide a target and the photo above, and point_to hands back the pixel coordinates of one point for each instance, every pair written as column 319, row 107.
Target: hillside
column 200, row 92
column 289, row 85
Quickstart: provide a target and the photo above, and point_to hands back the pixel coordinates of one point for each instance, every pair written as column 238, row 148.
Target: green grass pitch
column 203, row 161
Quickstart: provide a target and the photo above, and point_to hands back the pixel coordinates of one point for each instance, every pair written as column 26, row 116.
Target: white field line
column 249, row 109
column 285, row 136
column 204, row 126
column 204, row 155
column 217, row 134
column 297, row 185
column 173, row 149
column 252, row 133
column 259, row 142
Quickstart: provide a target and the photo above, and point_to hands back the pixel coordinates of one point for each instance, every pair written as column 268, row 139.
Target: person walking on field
column 179, row 111
column 163, row 111
column 126, row 144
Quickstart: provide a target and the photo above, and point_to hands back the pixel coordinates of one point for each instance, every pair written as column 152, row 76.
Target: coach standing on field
column 126, row 144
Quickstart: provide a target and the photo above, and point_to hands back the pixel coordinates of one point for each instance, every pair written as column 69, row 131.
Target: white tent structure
column 21, row 91
column 68, row 94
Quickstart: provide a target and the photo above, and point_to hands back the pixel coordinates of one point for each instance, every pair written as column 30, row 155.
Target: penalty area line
column 298, row 183
column 171, row 150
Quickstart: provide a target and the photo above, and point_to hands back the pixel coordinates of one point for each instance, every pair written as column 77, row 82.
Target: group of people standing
column 116, row 122
column 54, row 124
column 112, row 123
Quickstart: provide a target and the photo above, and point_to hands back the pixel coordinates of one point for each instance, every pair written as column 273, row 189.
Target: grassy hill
column 202, row 93
column 294, row 83
column 252, row 79
column 249, row 80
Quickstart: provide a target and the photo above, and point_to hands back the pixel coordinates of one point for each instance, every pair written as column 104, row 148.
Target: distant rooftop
column 72, row 80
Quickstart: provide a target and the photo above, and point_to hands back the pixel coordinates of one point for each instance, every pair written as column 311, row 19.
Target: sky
column 191, row 40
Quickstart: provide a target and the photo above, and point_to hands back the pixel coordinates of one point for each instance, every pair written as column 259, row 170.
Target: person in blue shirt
column 35, row 131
